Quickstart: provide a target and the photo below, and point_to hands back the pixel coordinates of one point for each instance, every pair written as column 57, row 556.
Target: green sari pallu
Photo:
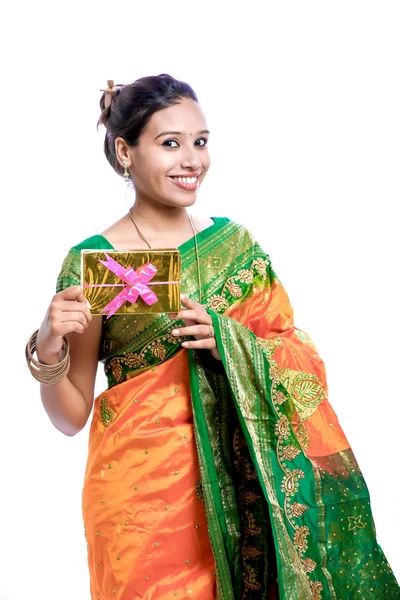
column 284, row 495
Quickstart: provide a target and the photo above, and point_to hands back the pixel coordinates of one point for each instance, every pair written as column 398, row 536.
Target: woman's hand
column 198, row 324
column 68, row 312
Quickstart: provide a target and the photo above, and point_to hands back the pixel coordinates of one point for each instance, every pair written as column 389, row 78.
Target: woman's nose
column 191, row 158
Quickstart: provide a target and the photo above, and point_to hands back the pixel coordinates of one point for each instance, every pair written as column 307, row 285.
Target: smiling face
column 173, row 145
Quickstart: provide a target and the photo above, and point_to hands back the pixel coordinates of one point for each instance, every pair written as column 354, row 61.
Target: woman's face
column 172, row 145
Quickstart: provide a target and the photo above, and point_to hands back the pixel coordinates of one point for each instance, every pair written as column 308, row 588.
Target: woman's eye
column 168, row 143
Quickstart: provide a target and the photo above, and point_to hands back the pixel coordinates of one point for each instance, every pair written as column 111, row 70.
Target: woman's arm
column 70, row 402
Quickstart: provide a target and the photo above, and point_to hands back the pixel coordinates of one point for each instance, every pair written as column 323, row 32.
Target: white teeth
column 186, row 179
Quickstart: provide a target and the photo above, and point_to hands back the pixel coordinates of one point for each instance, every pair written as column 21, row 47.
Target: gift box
column 131, row 281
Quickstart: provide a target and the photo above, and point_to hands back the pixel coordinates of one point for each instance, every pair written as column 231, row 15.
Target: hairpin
column 108, row 93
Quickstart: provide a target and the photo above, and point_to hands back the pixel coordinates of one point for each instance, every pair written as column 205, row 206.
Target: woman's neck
column 158, row 218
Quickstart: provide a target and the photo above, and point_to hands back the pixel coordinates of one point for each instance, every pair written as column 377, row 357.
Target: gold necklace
column 195, row 246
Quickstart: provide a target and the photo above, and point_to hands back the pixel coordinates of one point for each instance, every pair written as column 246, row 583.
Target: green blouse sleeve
column 70, row 273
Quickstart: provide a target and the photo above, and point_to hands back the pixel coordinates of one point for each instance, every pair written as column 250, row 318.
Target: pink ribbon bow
column 136, row 284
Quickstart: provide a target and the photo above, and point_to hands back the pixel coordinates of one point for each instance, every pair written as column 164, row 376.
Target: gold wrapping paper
column 165, row 284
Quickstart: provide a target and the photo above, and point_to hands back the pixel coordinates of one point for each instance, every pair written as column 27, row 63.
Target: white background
column 302, row 100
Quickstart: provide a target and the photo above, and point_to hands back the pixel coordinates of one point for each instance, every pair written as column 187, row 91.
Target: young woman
column 216, row 467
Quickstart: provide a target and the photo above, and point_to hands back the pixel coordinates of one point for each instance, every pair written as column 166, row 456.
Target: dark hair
column 133, row 105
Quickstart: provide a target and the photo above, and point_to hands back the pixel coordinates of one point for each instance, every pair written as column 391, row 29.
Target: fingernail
column 183, row 296
column 175, row 332
column 185, row 344
column 173, row 315
column 88, row 305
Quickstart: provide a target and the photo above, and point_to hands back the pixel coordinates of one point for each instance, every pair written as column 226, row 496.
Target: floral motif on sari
column 152, row 354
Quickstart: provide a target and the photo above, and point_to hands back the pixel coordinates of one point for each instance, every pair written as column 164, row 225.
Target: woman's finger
column 81, row 317
column 205, row 344
column 193, row 311
column 195, row 330
column 71, row 305
column 61, row 329
column 200, row 316
column 191, row 304
column 66, row 311
column 71, row 293
column 81, row 297
column 186, row 315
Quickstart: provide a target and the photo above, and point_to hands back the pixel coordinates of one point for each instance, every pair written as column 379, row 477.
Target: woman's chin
column 183, row 201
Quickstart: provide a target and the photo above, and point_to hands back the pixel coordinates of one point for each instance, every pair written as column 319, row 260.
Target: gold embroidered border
column 291, row 558
column 236, row 286
column 287, row 451
column 152, row 354
column 224, row 587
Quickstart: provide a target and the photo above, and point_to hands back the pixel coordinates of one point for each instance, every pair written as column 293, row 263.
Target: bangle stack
column 47, row 374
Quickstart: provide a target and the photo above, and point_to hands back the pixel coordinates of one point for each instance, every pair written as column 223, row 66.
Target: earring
column 126, row 172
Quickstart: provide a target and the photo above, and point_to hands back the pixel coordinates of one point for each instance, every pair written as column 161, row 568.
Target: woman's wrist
column 48, row 358
column 47, row 352
column 48, row 373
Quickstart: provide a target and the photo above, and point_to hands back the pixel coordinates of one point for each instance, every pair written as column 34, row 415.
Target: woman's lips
column 189, row 187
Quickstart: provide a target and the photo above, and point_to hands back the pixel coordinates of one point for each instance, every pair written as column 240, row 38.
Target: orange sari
column 143, row 511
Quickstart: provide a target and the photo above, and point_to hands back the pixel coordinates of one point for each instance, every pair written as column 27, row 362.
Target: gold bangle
column 47, row 374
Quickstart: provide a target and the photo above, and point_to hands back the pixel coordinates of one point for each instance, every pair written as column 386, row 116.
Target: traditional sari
column 223, row 479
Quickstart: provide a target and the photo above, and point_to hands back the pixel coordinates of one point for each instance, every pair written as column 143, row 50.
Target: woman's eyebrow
column 179, row 133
